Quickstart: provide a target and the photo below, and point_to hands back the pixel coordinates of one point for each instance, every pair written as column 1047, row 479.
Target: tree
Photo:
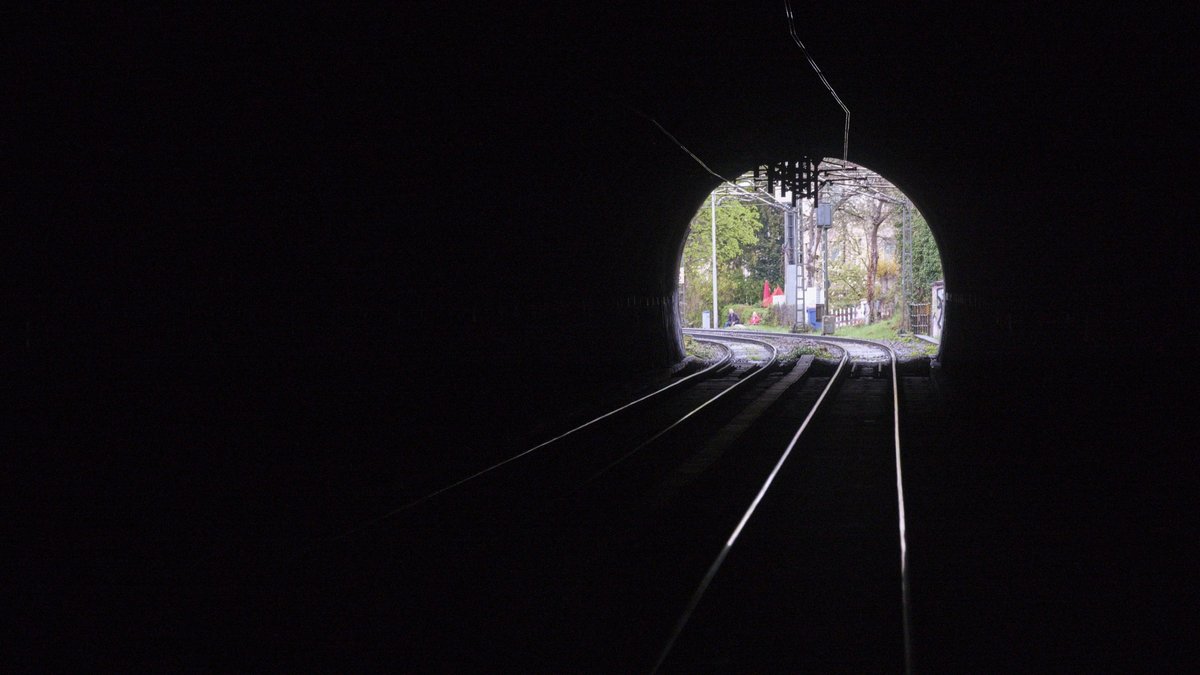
column 846, row 282
column 813, row 239
column 738, row 226
column 750, row 238
column 927, row 263
column 764, row 258
column 873, row 212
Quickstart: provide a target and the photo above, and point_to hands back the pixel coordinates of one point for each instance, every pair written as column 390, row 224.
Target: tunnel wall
column 1012, row 155
column 471, row 172
column 279, row 272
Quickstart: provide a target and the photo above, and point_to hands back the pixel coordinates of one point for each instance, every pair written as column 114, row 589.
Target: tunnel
column 270, row 253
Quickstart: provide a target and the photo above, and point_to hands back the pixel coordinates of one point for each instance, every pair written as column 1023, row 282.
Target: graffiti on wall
column 938, row 309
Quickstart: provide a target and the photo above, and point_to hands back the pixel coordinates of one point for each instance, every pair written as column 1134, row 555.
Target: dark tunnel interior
column 278, row 271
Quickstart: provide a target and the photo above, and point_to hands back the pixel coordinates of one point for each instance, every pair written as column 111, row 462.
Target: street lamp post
column 714, row 201
column 713, row 207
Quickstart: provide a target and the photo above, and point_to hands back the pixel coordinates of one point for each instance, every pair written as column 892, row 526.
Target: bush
column 774, row 316
column 770, row 315
column 699, row 350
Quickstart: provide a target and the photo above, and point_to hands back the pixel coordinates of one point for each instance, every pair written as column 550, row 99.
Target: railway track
column 744, row 517
column 825, row 555
column 562, row 465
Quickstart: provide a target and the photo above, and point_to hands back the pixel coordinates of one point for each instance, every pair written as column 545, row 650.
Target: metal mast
column 906, row 265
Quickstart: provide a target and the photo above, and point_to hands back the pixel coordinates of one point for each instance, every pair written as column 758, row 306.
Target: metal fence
column 857, row 315
column 918, row 317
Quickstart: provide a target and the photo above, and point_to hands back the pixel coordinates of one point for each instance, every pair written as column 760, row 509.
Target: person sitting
column 755, row 319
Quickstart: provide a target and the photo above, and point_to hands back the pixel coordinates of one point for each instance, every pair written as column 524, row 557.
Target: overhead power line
column 787, row 5
column 737, row 188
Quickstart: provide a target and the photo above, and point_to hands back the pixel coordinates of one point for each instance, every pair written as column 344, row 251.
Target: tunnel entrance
column 829, row 247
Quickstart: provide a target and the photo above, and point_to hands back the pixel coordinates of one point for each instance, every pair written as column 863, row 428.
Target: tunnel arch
column 749, row 192
column 258, row 245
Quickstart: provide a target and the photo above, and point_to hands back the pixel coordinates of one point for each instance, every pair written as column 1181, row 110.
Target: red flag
column 766, row 293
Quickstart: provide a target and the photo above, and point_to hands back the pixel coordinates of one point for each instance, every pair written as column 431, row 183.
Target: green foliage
column 880, row 330
column 761, row 260
column 699, row 350
column 749, row 251
column 847, row 282
column 770, row 316
column 927, row 263
column 738, row 228
column 774, row 316
column 764, row 258
column 815, row 350
column 744, row 289
column 926, row 348
column 887, row 269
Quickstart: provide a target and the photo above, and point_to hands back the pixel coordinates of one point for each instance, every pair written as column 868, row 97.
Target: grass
column 883, row 330
column 927, row 348
column 819, row 352
column 769, row 329
column 698, row 349
column 889, row 330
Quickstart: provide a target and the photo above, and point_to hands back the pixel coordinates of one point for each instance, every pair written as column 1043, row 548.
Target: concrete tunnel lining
column 271, row 257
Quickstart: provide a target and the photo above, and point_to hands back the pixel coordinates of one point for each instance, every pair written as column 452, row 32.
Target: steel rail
column 364, row 525
column 715, row 567
column 371, row 522
column 720, row 559
column 761, row 371
column 905, row 599
column 725, row 360
column 705, row 372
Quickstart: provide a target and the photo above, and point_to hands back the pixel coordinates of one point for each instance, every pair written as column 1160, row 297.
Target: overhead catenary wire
column 845, row 132
column 787, row 5
column 768, row 200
